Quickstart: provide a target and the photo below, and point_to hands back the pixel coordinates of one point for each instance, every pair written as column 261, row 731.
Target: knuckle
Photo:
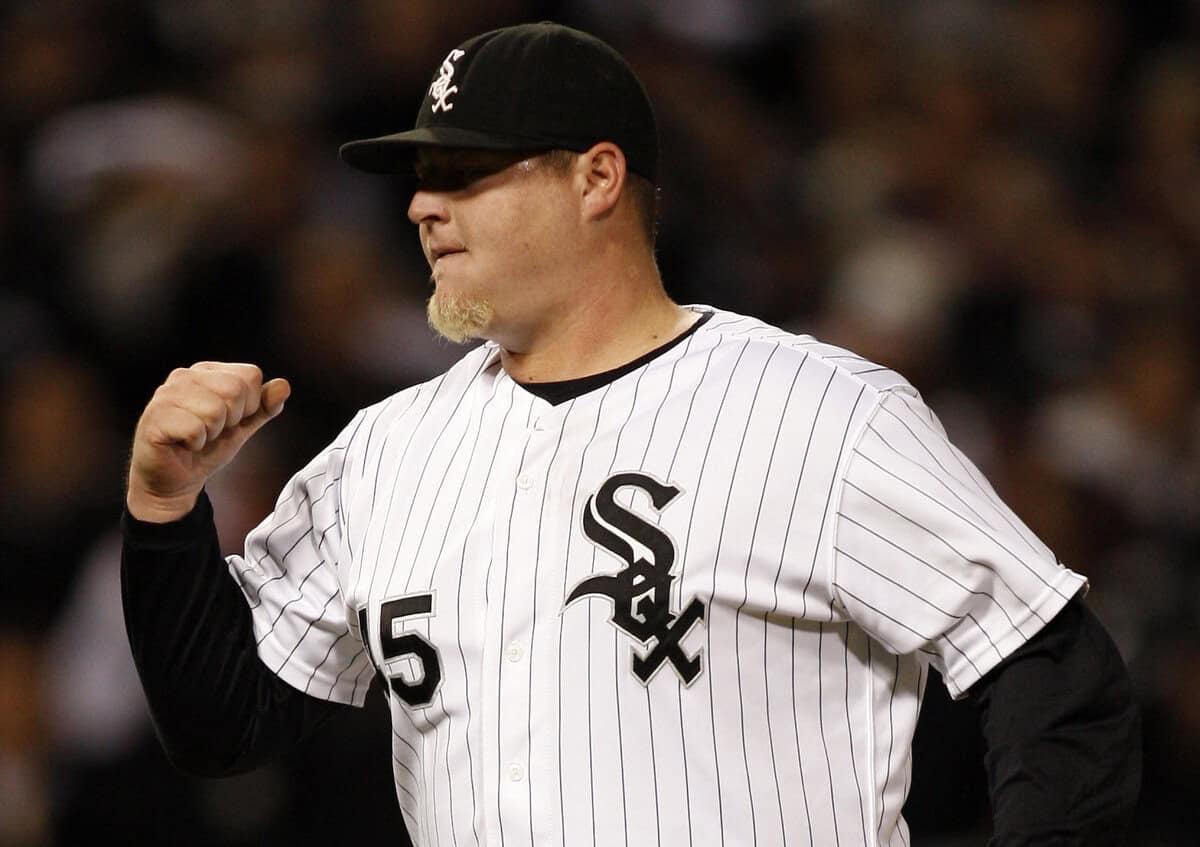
column 191, row 427
column 210, row 404
column 250, row 374
column 226, row 386
column 202, row 405
column 165, row 394
column 232, row 381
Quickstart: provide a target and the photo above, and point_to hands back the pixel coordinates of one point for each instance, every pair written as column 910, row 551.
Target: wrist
column 152, row 508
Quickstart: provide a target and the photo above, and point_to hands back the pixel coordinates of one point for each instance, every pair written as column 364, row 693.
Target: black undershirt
column 1058, row 715
column 568, row 389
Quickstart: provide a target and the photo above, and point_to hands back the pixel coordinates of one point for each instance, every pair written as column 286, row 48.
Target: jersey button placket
column 504, row 734
column 520, row 552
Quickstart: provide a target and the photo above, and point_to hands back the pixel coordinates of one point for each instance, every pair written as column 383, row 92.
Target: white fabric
column 803, row 499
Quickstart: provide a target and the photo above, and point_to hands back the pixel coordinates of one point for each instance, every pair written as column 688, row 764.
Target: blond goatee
column 459, row 318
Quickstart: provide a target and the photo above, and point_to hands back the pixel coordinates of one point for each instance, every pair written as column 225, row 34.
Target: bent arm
column 217, row 709
column 1063, row 737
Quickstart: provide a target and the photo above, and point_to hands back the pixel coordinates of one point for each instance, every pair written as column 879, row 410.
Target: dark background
column 999, row 199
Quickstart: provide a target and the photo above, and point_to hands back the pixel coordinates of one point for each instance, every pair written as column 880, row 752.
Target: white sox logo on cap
column 441, row 89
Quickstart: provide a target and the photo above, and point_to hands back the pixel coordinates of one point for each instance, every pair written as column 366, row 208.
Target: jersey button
column 516, row 773
column 515, row 652
column 524, row 482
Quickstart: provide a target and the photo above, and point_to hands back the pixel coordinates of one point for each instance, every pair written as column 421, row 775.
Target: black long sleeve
column 217, row 709
column 1063, row 738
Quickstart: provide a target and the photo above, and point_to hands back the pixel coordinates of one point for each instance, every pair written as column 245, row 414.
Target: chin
column 459, row 317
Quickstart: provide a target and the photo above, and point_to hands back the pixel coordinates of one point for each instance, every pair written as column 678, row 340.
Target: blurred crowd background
column 999, row 199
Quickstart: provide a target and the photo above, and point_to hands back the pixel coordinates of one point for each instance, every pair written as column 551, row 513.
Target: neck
column 610, row 321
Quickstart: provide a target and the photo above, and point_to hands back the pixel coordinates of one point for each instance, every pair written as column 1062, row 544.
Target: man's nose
column 427, row 207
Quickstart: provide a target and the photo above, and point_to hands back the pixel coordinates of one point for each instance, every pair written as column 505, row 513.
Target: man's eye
column 452, row 178
column 467, row 175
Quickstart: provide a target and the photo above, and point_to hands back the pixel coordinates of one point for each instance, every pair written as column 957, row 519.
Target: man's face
column 492, row 226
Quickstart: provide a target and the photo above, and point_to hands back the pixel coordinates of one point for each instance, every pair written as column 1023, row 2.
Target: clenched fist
column 193, row 425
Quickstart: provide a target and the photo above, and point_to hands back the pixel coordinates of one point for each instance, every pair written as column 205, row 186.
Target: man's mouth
column 440, row 251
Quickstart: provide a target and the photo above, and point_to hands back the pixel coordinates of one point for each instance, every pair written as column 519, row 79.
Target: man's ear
column 602, row 175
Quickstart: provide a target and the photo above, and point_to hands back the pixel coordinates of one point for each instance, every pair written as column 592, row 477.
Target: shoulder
column 395, row 409
column 791, row 352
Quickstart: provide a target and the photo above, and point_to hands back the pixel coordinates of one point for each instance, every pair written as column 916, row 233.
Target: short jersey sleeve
column 928, row 558
column 289, row 576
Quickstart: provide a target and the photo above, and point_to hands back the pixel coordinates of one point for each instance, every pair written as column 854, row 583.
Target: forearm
column 1063, row 738
column 216, row 708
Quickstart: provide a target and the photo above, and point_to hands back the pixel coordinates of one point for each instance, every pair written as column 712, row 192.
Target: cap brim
column 390, row 154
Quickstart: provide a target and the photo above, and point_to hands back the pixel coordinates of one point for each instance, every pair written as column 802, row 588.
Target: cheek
column 544, row 230
column 503, row 241
column 518, row 237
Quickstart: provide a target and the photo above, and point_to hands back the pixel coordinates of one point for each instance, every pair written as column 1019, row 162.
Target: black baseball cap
column 537, row 86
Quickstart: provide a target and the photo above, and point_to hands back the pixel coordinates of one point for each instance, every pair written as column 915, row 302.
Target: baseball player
column 630, row 572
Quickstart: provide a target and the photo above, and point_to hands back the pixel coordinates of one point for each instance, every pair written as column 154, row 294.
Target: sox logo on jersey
column 640, row 592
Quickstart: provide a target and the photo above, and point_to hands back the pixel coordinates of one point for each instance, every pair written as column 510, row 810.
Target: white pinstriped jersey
column 696, row 605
